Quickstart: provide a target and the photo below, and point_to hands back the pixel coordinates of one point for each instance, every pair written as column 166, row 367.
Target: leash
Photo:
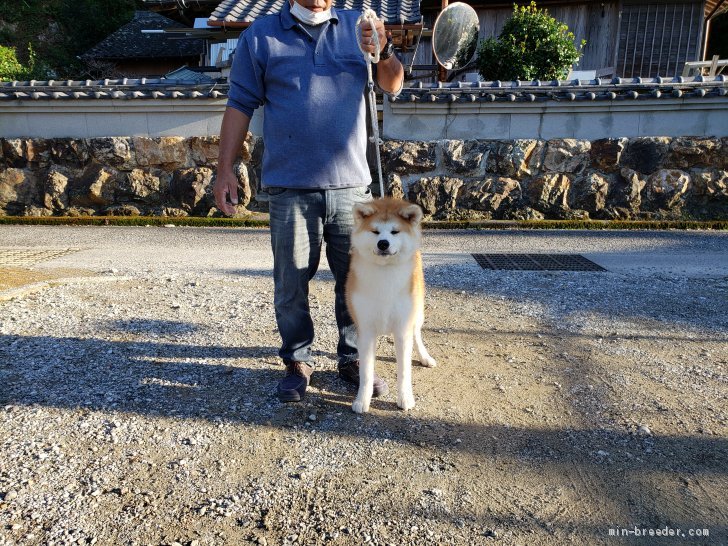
column 370, row 16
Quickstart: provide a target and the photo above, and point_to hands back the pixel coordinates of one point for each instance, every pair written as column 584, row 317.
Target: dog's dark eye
column 395, row 231
column 375, row 232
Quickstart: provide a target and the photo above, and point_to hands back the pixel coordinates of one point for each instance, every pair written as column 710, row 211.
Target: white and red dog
column 385, row 291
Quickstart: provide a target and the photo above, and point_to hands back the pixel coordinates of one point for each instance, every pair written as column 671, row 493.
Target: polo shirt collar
column 288, row 21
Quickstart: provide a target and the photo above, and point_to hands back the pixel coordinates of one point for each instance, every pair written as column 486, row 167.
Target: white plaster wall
column 102, row 118
column 546, row 120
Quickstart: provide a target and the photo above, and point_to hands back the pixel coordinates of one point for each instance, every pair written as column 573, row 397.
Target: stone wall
column 165, row 176
column 638, row 178
column 665, row 178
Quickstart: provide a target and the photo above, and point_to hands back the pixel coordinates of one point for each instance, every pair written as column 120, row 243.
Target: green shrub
column 532, row 46
column 11, row 68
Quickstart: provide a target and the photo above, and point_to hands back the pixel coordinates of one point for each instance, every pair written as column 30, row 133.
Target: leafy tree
column 532, row 46
column 12, row 69
column 60, row 31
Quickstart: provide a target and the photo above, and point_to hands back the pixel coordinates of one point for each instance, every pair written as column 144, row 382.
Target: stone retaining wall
column 665, row 178
column 165, row 176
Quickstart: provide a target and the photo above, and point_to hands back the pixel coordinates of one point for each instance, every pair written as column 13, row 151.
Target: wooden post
column 441, row 70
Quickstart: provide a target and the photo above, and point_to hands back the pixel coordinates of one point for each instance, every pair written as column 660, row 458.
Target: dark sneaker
column 349, row 372
column 292, row 388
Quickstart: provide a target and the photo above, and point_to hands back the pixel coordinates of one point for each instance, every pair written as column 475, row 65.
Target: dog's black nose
column 383, row 244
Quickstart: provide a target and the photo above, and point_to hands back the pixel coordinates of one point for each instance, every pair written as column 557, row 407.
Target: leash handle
column 370, row 16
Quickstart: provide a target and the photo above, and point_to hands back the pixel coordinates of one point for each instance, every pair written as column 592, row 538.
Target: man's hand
column 232, row 133
column 226, row 185
column 367, row 42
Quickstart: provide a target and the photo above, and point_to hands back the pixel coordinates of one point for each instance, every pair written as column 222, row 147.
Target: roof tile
column 393, row 12
column 129, row 42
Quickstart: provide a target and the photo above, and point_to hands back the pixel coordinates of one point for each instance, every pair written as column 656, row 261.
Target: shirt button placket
column 318, row 57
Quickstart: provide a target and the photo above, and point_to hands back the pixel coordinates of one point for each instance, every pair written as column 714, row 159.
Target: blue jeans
column 300, row 220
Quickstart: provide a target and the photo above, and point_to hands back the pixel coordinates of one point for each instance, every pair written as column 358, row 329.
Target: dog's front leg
column 367, row 348
column 403, row 348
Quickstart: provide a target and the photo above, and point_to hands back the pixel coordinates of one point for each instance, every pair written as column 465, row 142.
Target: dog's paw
column 359, row 406
column 428, row 362
column 406, row 401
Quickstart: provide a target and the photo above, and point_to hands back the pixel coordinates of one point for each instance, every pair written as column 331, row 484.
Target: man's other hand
column 226, row 185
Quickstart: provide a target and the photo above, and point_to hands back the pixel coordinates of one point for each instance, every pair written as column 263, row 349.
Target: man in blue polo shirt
column 305, row 66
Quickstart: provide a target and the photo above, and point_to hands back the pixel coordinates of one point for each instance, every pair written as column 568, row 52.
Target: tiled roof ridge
column 567, row 90
column 127, row 88
column 514, row 91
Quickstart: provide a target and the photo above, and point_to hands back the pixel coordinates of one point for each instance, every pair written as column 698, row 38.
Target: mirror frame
column 452, row 62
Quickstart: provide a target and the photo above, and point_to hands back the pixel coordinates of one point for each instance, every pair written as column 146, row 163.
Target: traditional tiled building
column 135, row 53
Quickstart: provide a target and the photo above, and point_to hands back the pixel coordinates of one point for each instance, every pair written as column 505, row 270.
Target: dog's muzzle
column 383, row 248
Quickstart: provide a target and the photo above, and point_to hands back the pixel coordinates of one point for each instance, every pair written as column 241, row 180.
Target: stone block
column 567, row 155
column 115, row 152
column 493, row 195
column 170, row 153
column 712, row 184
column 405, row 157
column 150, row 187
column 512, row 158
column 192, row 188
column 393, row 186
column 606, row 153
column 626, row 190
column 19, row 189
column 589, row 192
column 549, row 192
column 97, row 187
column 436, row 194
column 69, row 152
column 689, row 152
column 645, row 154
column 666, row 188
column 55, row 197
column 122, row 210
column 464, row 157
column 205, row 150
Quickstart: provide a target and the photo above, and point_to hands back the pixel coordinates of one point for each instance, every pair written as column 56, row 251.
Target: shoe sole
column 290, row 396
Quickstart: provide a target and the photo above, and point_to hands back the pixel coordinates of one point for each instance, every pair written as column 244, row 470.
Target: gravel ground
column 138, row 368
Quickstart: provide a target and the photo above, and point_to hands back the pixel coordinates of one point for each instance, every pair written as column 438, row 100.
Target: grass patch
column 132, row 221
column 711, row 225
column 262, row 221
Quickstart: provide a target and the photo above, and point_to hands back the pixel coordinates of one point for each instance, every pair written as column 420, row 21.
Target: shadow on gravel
column 136, row 325
column 568, row 295
column 149, row 379
column 179, row 381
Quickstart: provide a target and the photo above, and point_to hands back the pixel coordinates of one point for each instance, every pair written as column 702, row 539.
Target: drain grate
column 28, row 257
column 536, row 262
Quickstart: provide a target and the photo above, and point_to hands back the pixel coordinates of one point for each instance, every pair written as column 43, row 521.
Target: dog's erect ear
column 362, row 211
column 412, row 213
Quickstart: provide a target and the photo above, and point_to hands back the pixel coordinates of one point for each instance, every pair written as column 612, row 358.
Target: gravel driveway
column 138, row 369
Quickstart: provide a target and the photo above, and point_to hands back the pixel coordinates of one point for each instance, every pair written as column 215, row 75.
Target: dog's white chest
column 383, row 299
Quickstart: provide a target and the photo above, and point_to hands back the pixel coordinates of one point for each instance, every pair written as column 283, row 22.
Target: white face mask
column 308, row 17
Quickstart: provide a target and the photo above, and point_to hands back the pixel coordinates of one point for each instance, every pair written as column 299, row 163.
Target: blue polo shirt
column 314, row 126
